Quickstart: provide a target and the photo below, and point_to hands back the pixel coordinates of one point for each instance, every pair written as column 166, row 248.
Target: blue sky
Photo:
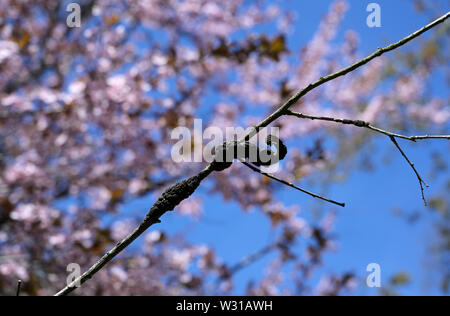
column 367, row 228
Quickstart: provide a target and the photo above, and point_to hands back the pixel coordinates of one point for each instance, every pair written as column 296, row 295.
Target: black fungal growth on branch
column 228, row 151
column 174, row 195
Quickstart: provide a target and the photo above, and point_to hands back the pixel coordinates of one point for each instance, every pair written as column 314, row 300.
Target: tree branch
column 182, row 190
column 166, row 202
column 291, row 185
column 380, row 51
column 391, row 136
column 421, row 181
column 365, row 124
column 19, row 285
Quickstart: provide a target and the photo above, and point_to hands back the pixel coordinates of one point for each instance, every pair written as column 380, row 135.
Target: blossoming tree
column 86, row 116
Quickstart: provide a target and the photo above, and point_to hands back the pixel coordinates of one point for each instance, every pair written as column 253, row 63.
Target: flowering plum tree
column 86, row 115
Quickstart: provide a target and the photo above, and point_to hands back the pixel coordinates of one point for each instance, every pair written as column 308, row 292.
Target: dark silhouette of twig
column 421, row 181
column 19, row 284
column 392, row 137
column 291, row 184
column 365, row 124
column 380, row 51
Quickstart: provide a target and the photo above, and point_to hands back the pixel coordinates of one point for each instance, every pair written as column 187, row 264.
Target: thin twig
column 380, row 51
column 291, row 185
column 19, row 284
column 391, row 136
column 251, row 258
column 421, row 181
column 367, row 125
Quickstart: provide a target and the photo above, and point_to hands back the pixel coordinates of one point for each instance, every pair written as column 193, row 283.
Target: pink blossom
column 190, row 207
column 13, row 269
